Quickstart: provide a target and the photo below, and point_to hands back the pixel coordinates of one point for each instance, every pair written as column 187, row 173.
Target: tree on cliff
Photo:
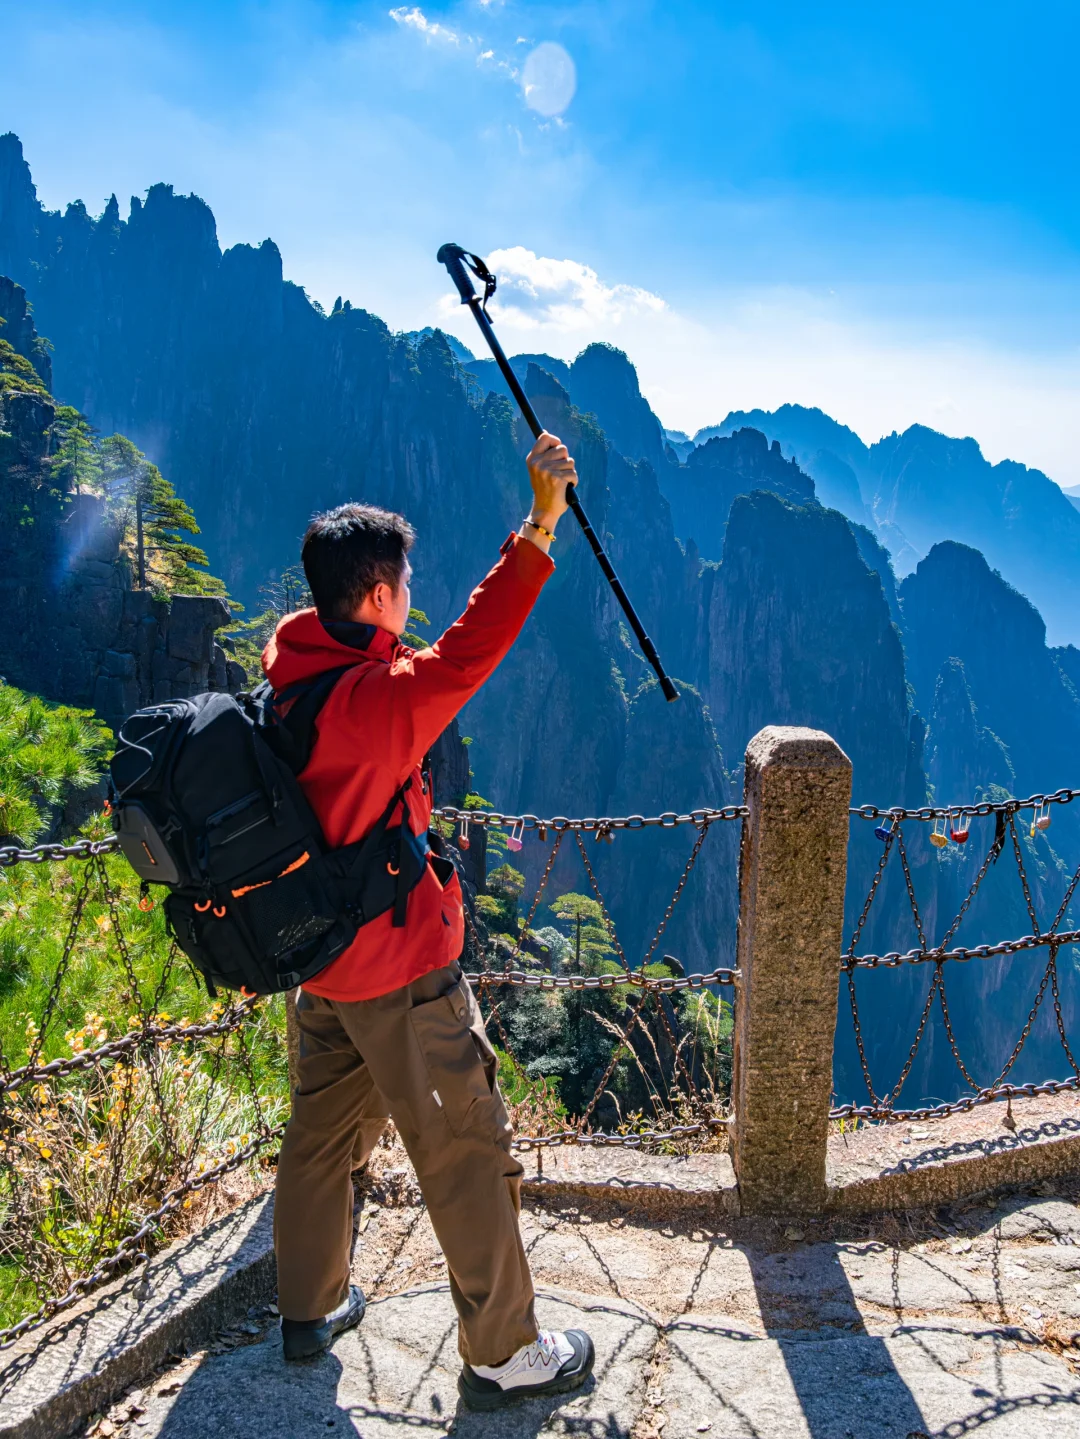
column 587, row 929
column 16, row 372
column 156, row 520
column 75, row 460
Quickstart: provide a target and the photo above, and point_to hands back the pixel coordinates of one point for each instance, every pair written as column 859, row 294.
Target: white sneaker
column 553, row 1364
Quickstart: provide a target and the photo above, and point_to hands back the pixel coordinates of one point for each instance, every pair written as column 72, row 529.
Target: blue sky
column 870, row 208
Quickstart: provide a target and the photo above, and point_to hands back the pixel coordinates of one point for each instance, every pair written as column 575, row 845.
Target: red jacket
column 373, row 732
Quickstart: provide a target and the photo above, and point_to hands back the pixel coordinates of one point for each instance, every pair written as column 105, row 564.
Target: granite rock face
column 17, row 328
column 956, row 606
column 74, row 628
column 966, row 760
column 920, row 488
column 792, row 585
column 702, row 490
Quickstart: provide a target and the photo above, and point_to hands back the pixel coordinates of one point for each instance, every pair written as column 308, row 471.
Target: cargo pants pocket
column 462, row 1065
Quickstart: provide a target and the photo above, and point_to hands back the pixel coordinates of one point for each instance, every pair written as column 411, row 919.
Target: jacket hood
column 303, row 647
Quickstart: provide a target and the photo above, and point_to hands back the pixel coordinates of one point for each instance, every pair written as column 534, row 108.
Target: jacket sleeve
column 410, row 702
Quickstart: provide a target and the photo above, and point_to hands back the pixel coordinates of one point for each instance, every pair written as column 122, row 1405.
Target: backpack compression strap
column 292, row 735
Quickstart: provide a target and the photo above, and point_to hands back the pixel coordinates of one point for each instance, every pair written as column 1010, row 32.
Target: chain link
column 958, row 1106
column 927, row 812
column 493, row 819
column 520, row 979
column 630, row 1140
column 53, row 996
column 137, row 1039
column 959, row 956
column 1005, row 830
column 40, row 853
column 149, row 1039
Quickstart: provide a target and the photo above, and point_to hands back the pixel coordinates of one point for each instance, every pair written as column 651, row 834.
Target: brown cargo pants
column 419, row 1056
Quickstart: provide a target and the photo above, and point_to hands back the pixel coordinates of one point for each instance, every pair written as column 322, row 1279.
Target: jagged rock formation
column 601, row 382
column 1003, row 714
column 679, row 444
column 701, row 932
column 702, row 490
column 876, row 557
column 74, row 629
column 17, row 328
column 792, row 585
column 816, row 442
column 955, row 605
column 966, row 761
column 1067, row 658
column 923, row 487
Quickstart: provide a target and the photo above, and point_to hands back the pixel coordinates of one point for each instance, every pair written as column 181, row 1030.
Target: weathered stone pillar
column 792, row 870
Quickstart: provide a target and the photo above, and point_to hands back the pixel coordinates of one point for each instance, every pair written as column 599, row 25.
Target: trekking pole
column 456, row 259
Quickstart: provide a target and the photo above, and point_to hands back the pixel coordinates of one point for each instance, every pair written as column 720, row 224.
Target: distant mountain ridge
column 922, row 487
column 911, row 490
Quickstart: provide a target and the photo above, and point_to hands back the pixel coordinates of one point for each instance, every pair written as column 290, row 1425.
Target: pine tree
column 75, row 461
column 156, row 520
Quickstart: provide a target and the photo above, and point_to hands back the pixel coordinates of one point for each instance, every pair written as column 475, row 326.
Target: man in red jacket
column 390, row 1029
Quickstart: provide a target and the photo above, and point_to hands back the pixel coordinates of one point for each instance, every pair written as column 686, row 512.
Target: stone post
column 792, row 870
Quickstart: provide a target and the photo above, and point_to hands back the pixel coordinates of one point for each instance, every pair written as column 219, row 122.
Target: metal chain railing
column 969, row 811
column 951, row 824
column 658, row 1054
column 132, row 1080
column 101, row 1146
column 646, row 1060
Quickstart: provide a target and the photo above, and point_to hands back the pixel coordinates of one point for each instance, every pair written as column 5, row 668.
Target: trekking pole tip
column 668, row 687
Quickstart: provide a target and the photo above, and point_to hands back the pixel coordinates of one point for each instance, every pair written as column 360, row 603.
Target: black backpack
column 205, row 799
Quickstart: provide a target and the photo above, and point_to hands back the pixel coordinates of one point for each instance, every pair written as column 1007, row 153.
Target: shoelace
column 544, row 1347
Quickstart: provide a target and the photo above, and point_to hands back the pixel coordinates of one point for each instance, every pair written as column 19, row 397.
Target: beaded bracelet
column 549, row 534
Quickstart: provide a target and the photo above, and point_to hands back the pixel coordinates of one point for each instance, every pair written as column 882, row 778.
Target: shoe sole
column 488, row 1401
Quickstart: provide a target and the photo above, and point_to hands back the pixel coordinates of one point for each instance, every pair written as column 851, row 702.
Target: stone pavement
column 951, row 1323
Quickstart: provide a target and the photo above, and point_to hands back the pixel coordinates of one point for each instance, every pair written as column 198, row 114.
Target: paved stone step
column 397, row 1373
column 925, row 1381
column 947, row 1323
column 696, row 1376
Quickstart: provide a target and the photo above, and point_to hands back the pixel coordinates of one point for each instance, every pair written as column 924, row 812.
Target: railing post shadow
column 792, row 872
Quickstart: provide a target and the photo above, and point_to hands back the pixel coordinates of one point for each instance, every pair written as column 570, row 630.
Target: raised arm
column 416, row 698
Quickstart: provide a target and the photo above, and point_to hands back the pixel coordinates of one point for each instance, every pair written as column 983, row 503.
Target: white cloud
column 414, row 19
column 536, row 292
column 746, row 347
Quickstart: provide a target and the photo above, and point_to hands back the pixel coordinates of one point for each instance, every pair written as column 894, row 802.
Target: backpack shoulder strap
column 290, row 732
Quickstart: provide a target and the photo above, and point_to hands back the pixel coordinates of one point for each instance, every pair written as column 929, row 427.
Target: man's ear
column 381, row 596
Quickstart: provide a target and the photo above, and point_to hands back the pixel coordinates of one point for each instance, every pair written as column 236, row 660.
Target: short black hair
column 348, row 551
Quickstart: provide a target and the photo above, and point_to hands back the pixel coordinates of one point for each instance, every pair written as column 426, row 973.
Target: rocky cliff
column 74, row 628
column 921, row 487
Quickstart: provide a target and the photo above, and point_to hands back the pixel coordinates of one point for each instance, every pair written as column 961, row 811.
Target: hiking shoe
column 553, row 1364
column 304, row 1338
